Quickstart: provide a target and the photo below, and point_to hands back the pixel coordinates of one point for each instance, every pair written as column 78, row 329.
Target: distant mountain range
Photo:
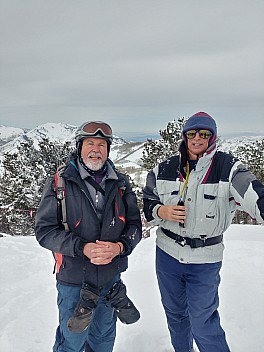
column 10, row 137
column 124, row 152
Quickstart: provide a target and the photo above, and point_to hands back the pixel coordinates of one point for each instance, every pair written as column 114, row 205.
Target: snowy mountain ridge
column 123, row 153
column 56, row 132
column 7, row 134
column 231, row 144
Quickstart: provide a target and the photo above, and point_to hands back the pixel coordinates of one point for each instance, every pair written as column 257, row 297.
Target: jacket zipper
column 96, row 200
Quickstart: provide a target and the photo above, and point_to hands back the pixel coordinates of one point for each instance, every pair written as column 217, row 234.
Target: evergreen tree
column 156, row 151
column 252, row 155
column 21, row 185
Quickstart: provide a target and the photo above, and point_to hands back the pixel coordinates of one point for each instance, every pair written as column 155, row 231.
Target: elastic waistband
column 193, row 242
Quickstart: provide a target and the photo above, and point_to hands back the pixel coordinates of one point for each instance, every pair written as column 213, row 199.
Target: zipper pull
column 181, row 202
column 96, row 200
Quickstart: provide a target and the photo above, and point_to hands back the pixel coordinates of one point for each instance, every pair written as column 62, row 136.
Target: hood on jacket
column 200, row 120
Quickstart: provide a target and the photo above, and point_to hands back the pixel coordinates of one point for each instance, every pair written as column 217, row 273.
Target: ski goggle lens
column 92, row 128
column 204, row 134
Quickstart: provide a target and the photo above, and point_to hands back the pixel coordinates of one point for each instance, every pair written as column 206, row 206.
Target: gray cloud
column 139, row 62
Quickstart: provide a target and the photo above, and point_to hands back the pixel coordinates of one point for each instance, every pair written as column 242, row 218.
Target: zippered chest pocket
column 168, row 191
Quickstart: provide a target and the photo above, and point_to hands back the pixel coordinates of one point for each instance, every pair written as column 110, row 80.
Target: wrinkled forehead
column 95, row 140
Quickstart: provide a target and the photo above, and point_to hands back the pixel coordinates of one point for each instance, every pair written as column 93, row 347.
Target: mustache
column 95, row 155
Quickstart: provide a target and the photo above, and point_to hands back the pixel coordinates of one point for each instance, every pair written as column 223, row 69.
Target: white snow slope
column 28, row 296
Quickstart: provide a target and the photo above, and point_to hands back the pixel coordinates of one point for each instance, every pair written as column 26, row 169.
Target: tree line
column 26, row 171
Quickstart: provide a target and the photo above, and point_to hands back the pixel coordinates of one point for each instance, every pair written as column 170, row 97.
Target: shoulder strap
column 95, row 185
column 121, row 188
column 60, row 194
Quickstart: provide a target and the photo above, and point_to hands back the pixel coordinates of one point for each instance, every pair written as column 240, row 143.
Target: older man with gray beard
column 104, row 228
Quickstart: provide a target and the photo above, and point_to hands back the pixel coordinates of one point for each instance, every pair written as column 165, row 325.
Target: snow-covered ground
column 28, row 297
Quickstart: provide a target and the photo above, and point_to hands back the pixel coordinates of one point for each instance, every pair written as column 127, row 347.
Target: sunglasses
column 92, row 128
column 204, row 134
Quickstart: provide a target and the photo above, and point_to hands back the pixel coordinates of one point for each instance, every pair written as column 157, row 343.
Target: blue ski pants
column 101, row 333
column 189, row 294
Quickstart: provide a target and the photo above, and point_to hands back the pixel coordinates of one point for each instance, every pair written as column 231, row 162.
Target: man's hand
column 172, row 213
column 101, row 252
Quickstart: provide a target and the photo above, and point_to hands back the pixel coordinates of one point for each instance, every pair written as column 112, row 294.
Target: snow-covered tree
column 252, row 155
column 21, row 185
column 156, row 151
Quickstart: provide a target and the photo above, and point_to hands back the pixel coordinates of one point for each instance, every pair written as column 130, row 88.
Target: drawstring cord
column 186, row 181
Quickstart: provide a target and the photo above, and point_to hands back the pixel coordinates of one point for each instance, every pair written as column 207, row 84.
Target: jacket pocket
column 210, row 212
column 210, row 207
column 168, row 191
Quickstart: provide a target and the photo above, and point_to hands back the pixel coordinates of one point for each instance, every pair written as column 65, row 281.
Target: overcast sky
column 136, row 64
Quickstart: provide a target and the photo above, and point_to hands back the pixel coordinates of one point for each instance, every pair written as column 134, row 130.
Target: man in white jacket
column 192, row 197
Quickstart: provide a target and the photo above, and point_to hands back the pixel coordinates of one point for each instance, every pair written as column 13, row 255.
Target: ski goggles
column 90, row 129
column 204, row 134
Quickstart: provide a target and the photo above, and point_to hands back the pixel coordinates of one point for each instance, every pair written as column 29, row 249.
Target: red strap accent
column 58, row 258
column 77, row 224
column 59, row 185
column 119, row 216
column 122, row 218
column 208, row 171
column 56, row 180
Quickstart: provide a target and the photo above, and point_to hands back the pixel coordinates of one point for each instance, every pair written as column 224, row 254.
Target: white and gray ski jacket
column 218, row 186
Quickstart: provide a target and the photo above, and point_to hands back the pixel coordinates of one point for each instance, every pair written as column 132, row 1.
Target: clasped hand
column 101, row 252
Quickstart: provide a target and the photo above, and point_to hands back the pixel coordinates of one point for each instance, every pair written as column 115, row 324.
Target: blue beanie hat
column 201, row 120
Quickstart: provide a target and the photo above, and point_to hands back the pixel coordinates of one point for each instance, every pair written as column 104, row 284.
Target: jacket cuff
column 79, row 248
column 127, row 247
column 155, row 212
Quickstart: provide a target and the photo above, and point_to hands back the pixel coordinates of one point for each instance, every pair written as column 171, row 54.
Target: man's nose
column 95, row 149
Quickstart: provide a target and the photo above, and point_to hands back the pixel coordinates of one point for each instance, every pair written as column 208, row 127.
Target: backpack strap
column 121, row 190
column 60, row 194
column 95, row 185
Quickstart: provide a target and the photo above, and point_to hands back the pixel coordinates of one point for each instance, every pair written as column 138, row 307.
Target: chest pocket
column 210, row 202
column 168, row 191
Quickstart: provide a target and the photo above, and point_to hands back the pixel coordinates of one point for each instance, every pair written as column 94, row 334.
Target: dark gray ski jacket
column 121, row 221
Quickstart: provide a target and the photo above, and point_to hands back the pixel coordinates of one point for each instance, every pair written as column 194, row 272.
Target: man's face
column 197, row 146
column 94, row 153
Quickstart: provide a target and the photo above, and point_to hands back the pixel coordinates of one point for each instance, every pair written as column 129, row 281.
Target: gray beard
column 92, row 166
